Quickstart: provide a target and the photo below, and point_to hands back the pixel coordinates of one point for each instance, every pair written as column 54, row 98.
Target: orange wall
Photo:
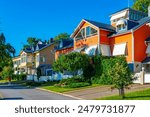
column 93, row 40
column 63, row 51
column 122, row 39
column 103, row 37
column 139, row 43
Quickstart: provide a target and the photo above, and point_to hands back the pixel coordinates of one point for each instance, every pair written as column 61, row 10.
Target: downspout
column 132, row 47
column 99, row 41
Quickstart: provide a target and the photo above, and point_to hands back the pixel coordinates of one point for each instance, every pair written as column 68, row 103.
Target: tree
column 6, row 52
column 31, row 41
column 62, row 36
column 121, row 75
column 141, row 5
column 7, row 73
column 72, row 62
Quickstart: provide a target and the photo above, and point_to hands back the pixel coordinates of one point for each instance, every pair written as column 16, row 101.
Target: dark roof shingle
column 102, row 25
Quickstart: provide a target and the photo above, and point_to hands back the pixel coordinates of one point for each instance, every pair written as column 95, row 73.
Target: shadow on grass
column 137, row 97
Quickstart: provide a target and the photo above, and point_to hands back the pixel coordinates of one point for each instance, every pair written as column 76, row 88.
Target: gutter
column 132, row 45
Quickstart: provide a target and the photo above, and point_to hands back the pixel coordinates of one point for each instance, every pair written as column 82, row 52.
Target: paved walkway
column 18, row 92
column 103, row 91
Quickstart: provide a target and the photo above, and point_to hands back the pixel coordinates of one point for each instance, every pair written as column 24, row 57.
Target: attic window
column 90, row 31
column 81, row 34
column 121, row 25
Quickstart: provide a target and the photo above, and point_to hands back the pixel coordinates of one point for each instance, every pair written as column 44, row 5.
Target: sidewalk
column 103, row 91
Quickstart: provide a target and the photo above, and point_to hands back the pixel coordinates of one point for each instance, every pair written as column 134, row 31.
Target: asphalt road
column 18, row 92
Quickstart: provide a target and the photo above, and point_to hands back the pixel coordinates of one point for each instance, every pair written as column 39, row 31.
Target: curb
column 60, row 93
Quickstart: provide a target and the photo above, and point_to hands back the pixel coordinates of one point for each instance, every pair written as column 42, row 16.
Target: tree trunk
column 121, row 92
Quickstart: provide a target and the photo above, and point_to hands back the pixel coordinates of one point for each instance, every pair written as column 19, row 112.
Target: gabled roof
column 43, row 46
column 40, row 46
column 96, row 24
column 128, row 8
column 102, row 25
column 140, row 23
column 66, row 43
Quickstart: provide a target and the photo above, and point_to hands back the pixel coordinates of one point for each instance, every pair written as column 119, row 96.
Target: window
column 81, row 34
column 120, row 49
column 105, row 50
column 23, row 58
column 92, row 52
column 90, row 31
column 37, row 58
column 42, row 59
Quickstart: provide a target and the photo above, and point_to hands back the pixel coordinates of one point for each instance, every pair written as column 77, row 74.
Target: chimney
column 149, row 11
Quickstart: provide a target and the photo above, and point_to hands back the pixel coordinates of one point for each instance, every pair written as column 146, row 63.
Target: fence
column 54, row 77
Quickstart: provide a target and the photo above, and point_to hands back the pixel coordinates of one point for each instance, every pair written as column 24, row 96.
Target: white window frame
column 120, row 49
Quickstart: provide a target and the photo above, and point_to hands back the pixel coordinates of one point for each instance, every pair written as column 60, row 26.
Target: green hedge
column 74, row 82
column 19, row 77
column 103, row 68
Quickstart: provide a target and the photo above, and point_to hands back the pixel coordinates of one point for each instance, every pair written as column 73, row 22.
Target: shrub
column 74, row 82
column 31, row 83
column 79, row 84
column 19, row 76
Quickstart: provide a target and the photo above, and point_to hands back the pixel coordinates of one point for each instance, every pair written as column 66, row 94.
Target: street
column 18, row 92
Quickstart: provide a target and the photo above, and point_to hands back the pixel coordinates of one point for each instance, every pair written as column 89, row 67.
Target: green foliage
column 74, row 82
column 34, row 84
column 7, row 72
column 71, row 62
column 62, row 36
column 19, row 77
column 60, row 65
column 102, row 67
column 77, row 85
column 88, row 72
column 6, row 52
column 31, row 41
column 121, row 75
column 97, row 62
column 141, row 5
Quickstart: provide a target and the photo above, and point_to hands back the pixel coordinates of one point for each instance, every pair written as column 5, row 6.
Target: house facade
column 64, row 46
column 128, row 35
column 39, row 56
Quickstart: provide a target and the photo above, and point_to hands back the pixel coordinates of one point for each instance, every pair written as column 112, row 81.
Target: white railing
column 147, row 78
column 137, row 76
column 56, row 77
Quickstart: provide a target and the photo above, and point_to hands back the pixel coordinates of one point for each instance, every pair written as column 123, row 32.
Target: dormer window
column 81, row 34
column 86, row 32
column 90, row 31
column 121, row 25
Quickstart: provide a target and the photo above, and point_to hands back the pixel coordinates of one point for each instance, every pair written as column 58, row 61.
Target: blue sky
column 20, row 19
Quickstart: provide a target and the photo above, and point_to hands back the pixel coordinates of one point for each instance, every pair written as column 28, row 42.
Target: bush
column 74, row 79
column 74, row 82
column 79, row 84
column 103, row 69
column 19, row 77
column 31, row 83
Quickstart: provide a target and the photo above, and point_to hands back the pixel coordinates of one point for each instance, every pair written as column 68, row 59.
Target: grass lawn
column 138, row 95
column 61, row 89
column 6, row 81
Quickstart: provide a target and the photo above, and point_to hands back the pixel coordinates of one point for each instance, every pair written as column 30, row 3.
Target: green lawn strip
column 137, row 95
column 6, row 81
column 63, row 89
